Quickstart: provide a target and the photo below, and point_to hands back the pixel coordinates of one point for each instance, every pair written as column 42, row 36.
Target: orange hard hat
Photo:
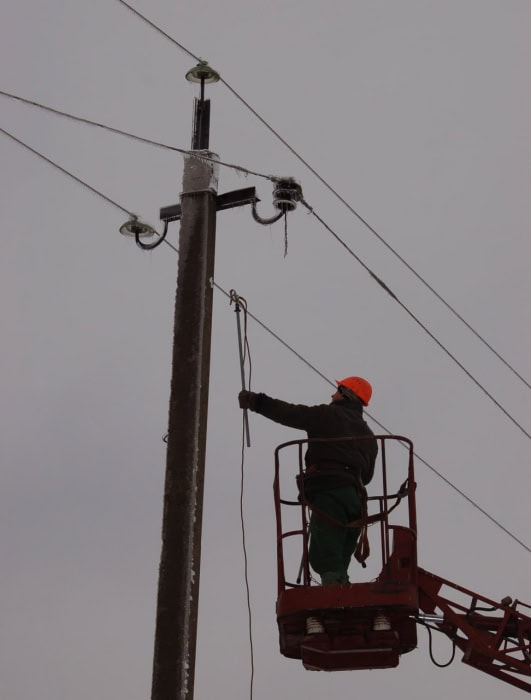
column 358, row 386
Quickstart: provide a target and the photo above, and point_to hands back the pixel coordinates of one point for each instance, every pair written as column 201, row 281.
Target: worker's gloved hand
column 247, row 399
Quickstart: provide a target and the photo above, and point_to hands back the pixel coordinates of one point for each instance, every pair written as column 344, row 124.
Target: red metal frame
column 367, row 625
column 494, row 637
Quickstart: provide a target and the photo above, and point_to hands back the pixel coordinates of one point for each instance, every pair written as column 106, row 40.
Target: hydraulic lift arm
column 494, row 637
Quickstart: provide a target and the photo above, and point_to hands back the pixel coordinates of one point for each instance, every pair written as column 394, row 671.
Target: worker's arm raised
column 290, row 414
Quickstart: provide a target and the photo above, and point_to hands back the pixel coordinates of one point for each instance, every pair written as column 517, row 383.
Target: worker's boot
column 329, row 578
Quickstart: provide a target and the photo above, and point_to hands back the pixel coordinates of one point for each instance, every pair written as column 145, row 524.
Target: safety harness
column 363, row 549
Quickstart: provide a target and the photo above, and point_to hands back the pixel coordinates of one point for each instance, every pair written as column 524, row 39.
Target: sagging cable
column 244, row 353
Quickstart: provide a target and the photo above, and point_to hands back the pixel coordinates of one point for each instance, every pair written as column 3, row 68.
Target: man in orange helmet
column 336, row 472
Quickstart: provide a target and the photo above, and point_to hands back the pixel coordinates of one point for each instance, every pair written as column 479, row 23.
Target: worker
column 336, row 472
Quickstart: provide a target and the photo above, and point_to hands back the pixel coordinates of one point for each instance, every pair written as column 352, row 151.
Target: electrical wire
column 247, row 355
column 77, row 179
column 151, row 142
column 269, row 177
column 375, row 233
column 381, row 425
column 417, row 321
column 272, row 178
column 336, row 194
column 272, row 333
column 430, row 646
column 159, row 30
column 66, row 172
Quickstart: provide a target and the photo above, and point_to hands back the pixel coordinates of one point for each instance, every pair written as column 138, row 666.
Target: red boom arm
column 494, row 637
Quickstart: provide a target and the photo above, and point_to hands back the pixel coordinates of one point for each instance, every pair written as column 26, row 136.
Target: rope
column 246, row 567
column 235, row 298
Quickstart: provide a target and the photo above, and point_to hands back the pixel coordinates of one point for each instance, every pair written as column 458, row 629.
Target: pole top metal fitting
column 202, row 73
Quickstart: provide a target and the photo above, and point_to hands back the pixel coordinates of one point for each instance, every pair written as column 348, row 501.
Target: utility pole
column 178, row 589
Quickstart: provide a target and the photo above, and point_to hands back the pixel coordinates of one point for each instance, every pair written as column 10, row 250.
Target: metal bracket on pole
column 235, row 198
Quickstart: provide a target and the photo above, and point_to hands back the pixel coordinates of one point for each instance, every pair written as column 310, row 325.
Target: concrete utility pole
column 178, row 591
column 176, row 623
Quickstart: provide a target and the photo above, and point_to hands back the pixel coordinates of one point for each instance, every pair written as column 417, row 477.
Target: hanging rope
column 235, row 298
column 285, row 234
column 246, row 567
column 243, row 349
column 245, row 355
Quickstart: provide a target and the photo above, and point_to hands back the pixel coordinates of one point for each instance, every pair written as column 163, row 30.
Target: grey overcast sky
column 418, row 113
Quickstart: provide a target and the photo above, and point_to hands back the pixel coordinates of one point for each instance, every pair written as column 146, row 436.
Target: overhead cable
column 159, row 30
column 380, row 425
column 417, row 320
column 67, row 172
column 338, row 196
column 151, row 142
column 273, row 178
column 266, row 328
column 378, row 235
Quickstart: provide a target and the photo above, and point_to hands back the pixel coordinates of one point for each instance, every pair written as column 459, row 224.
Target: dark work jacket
column 335, row 420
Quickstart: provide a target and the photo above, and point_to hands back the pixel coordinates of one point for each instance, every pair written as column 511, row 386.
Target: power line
column 417, row 320
column 272, row 178
column 67, row 172
column 135, row 137
column 277, row 337
column 79, row 181
column 375, row 233
column 417, row 456
column 337, row 195
column 334, row 234
column 159, row 30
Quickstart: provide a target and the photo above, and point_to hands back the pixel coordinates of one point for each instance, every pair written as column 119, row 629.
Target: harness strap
column 363, row 549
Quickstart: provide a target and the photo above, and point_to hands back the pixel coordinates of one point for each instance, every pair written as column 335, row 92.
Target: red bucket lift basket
column 366, row 625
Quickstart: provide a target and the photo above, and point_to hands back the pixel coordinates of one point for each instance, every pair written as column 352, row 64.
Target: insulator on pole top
column 202, row 73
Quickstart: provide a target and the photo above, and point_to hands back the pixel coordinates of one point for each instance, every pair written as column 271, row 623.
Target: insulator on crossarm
column 286, row 194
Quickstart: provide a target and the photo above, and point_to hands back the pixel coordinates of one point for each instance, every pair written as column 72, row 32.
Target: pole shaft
column 178, row 590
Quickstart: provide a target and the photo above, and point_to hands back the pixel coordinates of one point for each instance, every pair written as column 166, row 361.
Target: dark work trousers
column 331, row 546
